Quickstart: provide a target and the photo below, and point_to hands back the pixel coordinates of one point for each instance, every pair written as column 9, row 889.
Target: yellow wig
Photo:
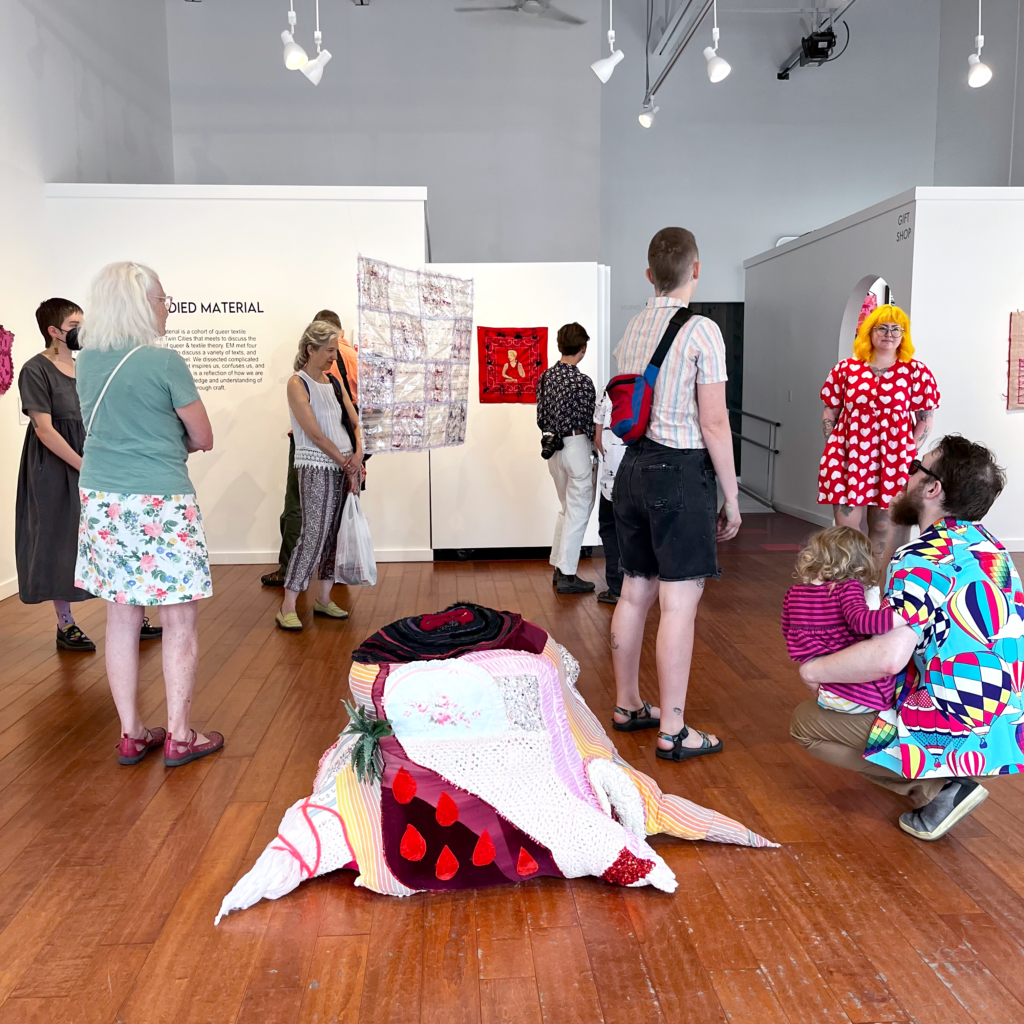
column 862, row 347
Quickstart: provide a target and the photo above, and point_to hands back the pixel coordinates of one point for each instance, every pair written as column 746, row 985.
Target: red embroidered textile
column 511, row 362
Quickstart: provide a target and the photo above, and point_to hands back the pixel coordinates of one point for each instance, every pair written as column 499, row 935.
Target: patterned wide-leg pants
column 322, row 494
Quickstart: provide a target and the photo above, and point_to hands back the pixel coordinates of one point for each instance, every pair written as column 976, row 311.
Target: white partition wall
column 495, row 491
column 953, row 259
column 250, row 266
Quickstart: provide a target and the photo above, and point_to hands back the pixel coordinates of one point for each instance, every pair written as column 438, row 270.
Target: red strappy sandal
column 178, row 752
column 132, row 750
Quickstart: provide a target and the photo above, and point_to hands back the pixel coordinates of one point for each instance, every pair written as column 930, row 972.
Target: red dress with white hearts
column 868, row 454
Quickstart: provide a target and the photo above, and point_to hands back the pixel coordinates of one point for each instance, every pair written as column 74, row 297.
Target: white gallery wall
column 953, row 259
column 85, row 95
column 495, row 490
column 289, row 252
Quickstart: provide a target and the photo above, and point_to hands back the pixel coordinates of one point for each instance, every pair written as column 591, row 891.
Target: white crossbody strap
column 88, row 429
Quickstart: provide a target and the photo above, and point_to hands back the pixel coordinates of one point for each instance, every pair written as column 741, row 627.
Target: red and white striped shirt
column 697, row 356
column 820, row 619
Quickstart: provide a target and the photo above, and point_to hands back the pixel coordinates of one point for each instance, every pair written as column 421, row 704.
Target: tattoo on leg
column 615, row 646
column 845, row 509
column 700, row 583
column 678, row 711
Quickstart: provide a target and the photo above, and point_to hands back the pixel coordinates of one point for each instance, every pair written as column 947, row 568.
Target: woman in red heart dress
column 878, row 411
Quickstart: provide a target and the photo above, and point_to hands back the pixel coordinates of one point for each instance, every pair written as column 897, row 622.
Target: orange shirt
column 347, row 353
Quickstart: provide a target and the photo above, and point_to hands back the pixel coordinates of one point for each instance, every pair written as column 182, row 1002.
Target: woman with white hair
column 141, row 540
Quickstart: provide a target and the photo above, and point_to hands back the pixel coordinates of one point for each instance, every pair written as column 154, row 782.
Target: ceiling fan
column 540, row 8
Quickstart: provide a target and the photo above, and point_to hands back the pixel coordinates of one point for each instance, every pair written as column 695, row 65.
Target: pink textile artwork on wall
column 511, row 362
column 1015, row 391
column 868, row 306
column 6, row 360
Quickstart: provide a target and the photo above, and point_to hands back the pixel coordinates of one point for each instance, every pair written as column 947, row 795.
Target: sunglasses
column 916, row 466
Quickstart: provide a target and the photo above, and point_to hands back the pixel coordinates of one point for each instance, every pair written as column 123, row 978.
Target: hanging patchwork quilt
column 495, row 771
column 415, row 332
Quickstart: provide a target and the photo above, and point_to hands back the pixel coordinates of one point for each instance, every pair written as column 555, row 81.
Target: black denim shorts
column 665, row 510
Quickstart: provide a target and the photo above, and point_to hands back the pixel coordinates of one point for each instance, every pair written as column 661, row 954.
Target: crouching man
column 961, row 643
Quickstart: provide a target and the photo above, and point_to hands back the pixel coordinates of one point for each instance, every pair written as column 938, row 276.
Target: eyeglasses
column 916, row 466
column 167, row 300
column 890, row 330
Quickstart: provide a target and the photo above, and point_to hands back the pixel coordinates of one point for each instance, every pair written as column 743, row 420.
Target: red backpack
column 632, row 393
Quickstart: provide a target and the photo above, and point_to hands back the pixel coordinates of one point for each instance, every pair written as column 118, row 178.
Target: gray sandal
column 640, row 719
column 681, row 753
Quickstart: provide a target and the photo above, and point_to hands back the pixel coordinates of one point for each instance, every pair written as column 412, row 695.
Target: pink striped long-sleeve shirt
column 822, row 619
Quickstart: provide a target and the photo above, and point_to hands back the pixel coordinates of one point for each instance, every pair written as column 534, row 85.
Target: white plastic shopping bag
column 354, row 563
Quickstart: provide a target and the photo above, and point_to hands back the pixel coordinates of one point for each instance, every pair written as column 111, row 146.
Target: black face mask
column 71, row 339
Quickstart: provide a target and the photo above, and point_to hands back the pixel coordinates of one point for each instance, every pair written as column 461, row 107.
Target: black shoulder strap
column 682, row 315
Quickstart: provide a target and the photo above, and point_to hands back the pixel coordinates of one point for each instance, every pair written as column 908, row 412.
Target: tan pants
column 839, row 739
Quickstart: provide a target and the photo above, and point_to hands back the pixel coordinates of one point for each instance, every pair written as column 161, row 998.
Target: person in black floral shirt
column 565, row 412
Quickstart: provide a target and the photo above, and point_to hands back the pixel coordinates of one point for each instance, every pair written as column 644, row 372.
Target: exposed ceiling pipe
column 690, row 33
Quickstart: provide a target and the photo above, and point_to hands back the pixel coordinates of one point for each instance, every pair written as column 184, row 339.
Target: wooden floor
column 110, row 877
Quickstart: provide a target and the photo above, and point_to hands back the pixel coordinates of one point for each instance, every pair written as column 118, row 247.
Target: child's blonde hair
column 835, row 555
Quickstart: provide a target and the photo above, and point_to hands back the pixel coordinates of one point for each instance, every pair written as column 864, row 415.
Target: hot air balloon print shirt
column 958, row 708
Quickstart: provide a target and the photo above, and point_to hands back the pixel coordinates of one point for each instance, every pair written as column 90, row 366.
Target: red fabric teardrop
column 447, row 812
column 414, row 846
column 483, row 852
column 526, row 865
column 404, row 786
column 447, row 865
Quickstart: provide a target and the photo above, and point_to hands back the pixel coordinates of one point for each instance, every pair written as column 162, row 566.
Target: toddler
column 827, row 611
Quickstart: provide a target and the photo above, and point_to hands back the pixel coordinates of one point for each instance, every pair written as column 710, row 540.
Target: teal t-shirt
column 137, row 442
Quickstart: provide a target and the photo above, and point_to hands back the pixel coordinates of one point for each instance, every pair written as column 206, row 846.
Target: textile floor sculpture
column 495, row 770
column 415, row 332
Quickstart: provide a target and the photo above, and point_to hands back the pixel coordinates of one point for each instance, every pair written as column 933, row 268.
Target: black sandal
column 641, row 719
column 681, row 753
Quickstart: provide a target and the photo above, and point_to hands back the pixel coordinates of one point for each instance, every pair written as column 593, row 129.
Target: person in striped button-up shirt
column 665, row 497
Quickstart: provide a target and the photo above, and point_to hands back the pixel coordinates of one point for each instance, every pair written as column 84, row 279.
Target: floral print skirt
column 142, row 548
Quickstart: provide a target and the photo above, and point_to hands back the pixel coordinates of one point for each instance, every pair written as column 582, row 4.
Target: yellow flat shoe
column 331, row 610
column 290, row 622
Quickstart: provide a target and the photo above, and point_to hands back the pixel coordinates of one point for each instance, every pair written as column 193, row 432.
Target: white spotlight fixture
column 314, row 70
column 604, row 67
column 647, row 113
column 978, row 73
column 294, row 55
column 718, row 67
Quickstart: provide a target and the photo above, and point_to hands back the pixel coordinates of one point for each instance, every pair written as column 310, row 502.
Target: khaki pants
column 839, row 739
column 575, row 476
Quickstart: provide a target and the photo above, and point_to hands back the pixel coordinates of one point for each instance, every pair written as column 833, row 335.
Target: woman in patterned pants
column 326, row 430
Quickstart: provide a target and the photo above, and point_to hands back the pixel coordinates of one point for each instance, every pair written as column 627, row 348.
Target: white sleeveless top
column 327, row 411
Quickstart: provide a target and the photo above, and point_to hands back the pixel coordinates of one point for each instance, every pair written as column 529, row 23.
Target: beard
column 906, row 509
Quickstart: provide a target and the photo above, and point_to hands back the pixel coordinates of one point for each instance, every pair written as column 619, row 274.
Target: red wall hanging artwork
column 7, row 361
column 511, row 362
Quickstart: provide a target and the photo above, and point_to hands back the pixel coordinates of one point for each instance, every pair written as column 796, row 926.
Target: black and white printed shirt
column 565, row 401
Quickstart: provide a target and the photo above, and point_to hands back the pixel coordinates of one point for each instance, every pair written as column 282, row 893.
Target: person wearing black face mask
column 48, row 506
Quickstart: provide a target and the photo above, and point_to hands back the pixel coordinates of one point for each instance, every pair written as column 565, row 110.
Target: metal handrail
column 754, row 416
column 750, row 440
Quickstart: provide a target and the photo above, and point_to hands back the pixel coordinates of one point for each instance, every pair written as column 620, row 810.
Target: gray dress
column 48, row 506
